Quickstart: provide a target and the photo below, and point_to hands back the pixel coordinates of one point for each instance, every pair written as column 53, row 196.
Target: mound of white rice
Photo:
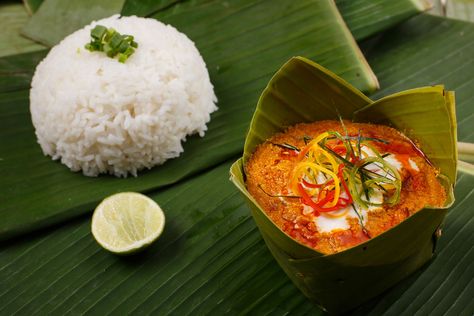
column 98, row 115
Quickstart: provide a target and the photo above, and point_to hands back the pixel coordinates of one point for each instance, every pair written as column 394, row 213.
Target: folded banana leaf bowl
column 303, row 91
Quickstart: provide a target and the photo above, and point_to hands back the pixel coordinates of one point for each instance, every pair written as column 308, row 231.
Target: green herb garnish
column 361, row 221
column 112, row 43
column 366, row 178
column 286, row 146
column 278, row 195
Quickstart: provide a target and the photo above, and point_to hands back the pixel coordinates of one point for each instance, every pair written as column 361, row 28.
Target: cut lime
column 126, row 222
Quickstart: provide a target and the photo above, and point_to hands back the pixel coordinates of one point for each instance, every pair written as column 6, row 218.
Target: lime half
column 126, row 222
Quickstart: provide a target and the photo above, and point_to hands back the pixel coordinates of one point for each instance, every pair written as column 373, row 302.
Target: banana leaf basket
column 303, row 91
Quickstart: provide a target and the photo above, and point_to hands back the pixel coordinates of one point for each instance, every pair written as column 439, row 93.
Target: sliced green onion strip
column 112, row 43
column 389, row 169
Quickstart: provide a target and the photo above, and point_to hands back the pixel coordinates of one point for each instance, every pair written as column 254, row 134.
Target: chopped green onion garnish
column 98, row 32
column 112, row 43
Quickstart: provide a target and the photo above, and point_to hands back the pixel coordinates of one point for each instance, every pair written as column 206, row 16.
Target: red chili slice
column 311, row 185
column 318, row 207
column 339, row 149
column 306, row 199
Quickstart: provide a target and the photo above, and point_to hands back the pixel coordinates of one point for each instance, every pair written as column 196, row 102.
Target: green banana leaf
column 425, row 114
column 37, row 192
column 32, row 6
column 146, row 7
column 211, row 258
column 446, row 64
column 16, row 71
column 363, row 17
column 303, row 91
column 40, row 30
column 55, row 19
column 12, row 18
column 367, row 17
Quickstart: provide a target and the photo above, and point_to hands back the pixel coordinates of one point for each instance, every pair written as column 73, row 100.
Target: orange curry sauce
column 268, row 172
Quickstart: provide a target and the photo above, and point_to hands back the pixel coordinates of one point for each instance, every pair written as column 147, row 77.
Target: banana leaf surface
column 54, row 19
column 61, row 270
column 58, row 10
column 38, row 191
column 367, row 17
column 12, row 18
column 32, row 6
column 146, row 7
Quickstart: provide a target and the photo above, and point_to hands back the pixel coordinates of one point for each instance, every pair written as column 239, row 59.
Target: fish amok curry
column 333, row 185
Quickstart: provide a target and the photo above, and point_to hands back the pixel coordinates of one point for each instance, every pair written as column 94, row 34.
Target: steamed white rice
column 101, row 116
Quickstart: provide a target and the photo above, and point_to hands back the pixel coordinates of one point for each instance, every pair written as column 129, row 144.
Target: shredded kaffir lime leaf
column 112, row 43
